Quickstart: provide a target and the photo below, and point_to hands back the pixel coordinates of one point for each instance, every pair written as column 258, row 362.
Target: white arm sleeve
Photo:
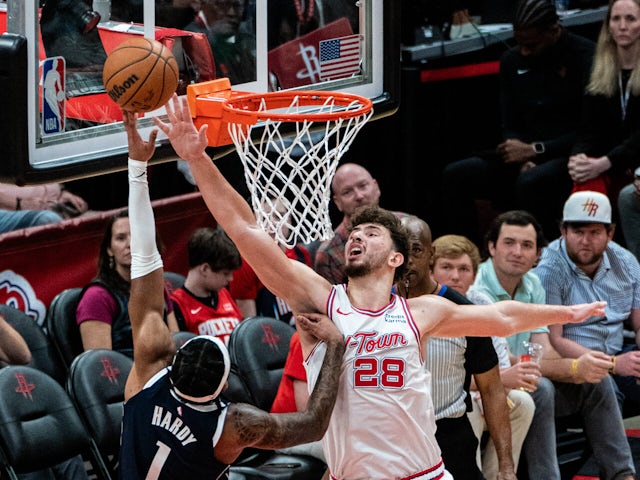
column 145, row 257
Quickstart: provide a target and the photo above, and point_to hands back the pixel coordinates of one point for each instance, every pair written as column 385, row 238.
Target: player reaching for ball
column 175, row 425
column 383, row 424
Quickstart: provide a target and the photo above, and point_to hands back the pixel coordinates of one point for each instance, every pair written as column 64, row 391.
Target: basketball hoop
column 290, row 143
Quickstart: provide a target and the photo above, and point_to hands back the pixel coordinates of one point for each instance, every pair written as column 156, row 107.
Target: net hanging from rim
column 289, row 165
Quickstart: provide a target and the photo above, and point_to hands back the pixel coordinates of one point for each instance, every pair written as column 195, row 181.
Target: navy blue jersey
column 165, row 438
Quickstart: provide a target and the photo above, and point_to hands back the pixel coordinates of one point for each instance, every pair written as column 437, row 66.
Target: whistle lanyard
column 624, row 94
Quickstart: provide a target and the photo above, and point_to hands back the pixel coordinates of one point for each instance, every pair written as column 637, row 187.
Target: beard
column 585, row 260
column 355, row 271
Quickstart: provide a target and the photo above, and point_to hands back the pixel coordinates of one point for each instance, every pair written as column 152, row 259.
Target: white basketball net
column 289, row 178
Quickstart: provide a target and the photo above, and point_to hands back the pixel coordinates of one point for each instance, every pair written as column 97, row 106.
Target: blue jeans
column 597, row 405
column 16, row 219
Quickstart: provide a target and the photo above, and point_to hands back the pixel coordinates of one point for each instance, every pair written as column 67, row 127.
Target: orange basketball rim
column 216, row 104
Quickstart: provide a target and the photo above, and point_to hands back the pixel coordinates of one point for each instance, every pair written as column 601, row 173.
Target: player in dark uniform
column 175, row 426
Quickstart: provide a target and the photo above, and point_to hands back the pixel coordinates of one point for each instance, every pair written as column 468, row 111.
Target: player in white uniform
column 386, row 340
column 375, row 255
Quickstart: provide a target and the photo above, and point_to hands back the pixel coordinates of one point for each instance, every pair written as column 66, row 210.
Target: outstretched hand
column 188, row 142
column 583, row 311
column 138, row 148
column 319, row 326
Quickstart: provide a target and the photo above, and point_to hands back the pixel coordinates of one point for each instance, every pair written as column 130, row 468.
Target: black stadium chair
column 173, row 280
column 39, row 425
column 43, row 354
column 96, row 386
column 62, row 327
column 180, row 338
column 258, row 349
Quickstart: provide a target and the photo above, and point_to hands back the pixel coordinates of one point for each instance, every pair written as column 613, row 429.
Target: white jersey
column 383, row 423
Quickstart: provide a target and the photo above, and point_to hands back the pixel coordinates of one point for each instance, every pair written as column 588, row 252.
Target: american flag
column 339, row 57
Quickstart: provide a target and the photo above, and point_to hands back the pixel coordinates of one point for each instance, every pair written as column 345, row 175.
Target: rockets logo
column 109, row 370
column 590, row 207
column 270, row 337
column 18, row 293
column 24, row 387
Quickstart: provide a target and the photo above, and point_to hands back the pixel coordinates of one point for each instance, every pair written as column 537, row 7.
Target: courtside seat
column 61, row 325
column 43, row 354
column 173, row 280
column 96, row 385
column 258, row 349
column 182, row 337
column 39, row 425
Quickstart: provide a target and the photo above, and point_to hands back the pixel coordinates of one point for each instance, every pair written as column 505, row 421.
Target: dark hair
column 520, row 218
column 535, row 14
column 387, row 219
column 106, row 272
column 213, row 246
column 198, row 368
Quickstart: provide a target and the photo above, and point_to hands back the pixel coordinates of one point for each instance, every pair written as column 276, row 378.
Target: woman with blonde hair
column 608, row 141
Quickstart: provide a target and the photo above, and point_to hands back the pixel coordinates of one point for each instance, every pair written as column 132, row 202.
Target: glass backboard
column 59, row 124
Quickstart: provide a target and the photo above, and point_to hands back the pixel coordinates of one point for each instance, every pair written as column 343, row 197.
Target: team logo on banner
column 17, row 292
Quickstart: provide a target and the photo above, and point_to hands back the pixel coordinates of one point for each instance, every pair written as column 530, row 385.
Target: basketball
column 140, row 74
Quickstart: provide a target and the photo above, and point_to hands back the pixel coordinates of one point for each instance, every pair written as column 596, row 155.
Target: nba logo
column 53, row 96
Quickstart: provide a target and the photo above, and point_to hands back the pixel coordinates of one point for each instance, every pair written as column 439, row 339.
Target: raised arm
column 153, row 345
column 248, row 426
column 292, row 281
column 439, row 317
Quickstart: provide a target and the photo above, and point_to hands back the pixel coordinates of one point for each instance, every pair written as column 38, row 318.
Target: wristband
column 144, row 251
column 574, row 367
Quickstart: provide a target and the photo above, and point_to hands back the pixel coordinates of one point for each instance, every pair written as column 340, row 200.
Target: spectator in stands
column 579, row 385
column 29, row 206
column 103, row 309
column 542, row 80
column 629, row 212
column 586, row 263
column 15, row 351
column 352, row 187
column 203, row 305
column 608, row 141
column 452, row 362
column 455, row 264
column 233, row 44
column 292, row 396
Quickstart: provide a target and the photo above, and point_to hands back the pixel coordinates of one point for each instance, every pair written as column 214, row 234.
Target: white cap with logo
column 587, row 207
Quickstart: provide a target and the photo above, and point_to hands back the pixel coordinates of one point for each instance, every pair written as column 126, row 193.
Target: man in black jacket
column 542, row 80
